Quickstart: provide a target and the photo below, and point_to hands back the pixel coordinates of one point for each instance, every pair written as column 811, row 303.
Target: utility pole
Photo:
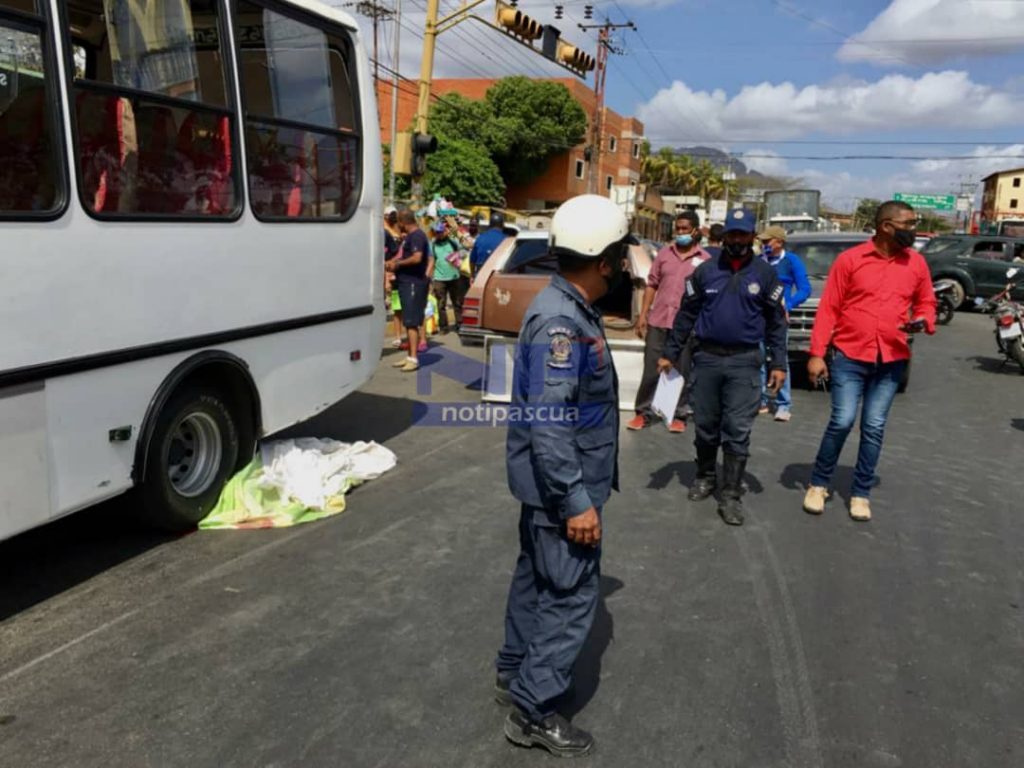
column 377, row 12
column 394, row 99
column 604, row 47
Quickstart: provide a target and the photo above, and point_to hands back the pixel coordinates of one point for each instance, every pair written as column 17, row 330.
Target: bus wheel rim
column 195, row 455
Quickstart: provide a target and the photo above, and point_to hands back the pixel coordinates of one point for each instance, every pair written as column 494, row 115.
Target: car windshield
column 530, row 257
column 818, row 256
column 941, row 244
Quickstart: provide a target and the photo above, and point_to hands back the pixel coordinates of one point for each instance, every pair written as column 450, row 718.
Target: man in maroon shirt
column 876, row 294
column 665, row 285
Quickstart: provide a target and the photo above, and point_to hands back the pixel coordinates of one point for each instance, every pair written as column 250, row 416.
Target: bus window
column 153, row 118
column 302, row 144
column 30, row 177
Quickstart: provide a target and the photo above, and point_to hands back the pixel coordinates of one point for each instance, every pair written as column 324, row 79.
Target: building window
column 153, row 115
column 580, row 169
column 608, row 183
column 636, row 151
column 612, row 143
column 302, row 141
column 1013, row 203
column 1016, row 181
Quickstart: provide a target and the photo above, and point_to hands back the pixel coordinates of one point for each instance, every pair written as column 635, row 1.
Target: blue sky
column 759, row 77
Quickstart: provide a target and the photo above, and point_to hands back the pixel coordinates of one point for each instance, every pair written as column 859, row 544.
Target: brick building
column 568, row 173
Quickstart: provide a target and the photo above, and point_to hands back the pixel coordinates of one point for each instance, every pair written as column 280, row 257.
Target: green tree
column 533, row 120
column 864, row 214
column 463, row 172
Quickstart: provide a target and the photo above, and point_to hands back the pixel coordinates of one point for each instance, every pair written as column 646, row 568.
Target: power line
column 846, row 142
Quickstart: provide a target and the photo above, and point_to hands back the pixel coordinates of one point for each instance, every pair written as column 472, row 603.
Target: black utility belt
column 722, row 350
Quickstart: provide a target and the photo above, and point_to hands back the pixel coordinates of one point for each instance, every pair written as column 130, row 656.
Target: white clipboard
column 666, row 396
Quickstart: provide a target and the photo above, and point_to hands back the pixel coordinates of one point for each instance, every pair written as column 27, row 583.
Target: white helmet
column 587, row 226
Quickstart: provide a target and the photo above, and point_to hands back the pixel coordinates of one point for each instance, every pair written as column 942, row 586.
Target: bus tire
column 193, row 452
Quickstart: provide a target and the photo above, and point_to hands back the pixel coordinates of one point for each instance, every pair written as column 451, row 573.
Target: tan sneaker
column 860, row 508
column 410, row 366
column 814, row 499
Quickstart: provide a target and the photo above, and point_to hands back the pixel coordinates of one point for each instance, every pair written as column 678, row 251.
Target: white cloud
column 765, row 161
column 949, row 99
column 931, row 31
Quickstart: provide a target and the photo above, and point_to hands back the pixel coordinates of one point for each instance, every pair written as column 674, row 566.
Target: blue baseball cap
column 740, row 220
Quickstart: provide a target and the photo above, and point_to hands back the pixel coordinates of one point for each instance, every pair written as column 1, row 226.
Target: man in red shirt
column 665, row 285
column 876, row 294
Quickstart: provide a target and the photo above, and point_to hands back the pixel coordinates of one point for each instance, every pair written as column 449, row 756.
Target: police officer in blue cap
column 732, row 304
column 562, row 459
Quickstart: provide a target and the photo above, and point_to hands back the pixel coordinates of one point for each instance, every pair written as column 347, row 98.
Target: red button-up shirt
column 668, row 277
column 867, row 298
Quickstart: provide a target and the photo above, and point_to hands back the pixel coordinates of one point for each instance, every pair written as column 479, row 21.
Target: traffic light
column 516, row 23
column 574, row 58
column 423, row 144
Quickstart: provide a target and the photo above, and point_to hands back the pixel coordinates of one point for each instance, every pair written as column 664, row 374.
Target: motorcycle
column 944, row 295
column 1009, row 318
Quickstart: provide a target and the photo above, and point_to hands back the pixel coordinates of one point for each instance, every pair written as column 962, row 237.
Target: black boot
column 502, row 695
column 706, row 480
column 556, row 734
column 731, row 507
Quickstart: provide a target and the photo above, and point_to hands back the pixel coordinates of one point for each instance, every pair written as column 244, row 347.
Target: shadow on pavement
column 1017, row 424
column 53, row 558
column 995, row 365
column 798, row 476
column 587, row 672
column 360, row 416
column 687, row 473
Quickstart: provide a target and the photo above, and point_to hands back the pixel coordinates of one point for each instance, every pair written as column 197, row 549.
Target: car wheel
column 193, row 451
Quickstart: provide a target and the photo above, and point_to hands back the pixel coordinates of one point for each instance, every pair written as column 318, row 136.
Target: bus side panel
column 297, row 373
column 24, row 470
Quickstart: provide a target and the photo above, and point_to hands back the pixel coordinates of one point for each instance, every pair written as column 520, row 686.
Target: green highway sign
column 935, row 202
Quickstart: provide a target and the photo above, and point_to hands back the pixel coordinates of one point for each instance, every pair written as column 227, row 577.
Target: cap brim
column 631, row 240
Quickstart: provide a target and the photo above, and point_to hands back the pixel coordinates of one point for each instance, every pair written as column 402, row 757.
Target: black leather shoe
column 502, row 695
column 555, row 734
column 731, row 511
column 702, row 488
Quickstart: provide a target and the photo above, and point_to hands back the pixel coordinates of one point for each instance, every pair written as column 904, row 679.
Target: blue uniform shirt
column 731, row 309
column 562, row 447
column 484, row 246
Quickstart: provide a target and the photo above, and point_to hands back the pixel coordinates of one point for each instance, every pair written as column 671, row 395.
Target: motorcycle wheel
column 1016, row 352
column 945, row 312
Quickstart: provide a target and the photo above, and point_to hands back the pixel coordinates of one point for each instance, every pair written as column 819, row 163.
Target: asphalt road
column 367, row 639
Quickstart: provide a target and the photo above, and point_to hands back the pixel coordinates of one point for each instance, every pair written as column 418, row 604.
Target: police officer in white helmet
column 562, row 460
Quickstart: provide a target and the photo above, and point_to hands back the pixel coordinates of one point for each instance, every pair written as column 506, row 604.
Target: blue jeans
column 783, row 399
column 852, row 380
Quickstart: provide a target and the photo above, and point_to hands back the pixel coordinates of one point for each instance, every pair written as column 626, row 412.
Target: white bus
column 189, row 238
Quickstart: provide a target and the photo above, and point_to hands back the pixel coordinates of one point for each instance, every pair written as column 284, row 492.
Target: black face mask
column 904, row 237
column 614, row 280
column 738, row 250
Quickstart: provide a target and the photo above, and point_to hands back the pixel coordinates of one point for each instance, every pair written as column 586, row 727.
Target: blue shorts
column 414, row 303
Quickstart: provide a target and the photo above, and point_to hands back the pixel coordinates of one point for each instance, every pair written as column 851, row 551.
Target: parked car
column 818, row 251
column 977, row 264
column 519, row 269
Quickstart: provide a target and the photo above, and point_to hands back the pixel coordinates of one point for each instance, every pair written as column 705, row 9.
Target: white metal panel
column 24, row 468
column 627, row 354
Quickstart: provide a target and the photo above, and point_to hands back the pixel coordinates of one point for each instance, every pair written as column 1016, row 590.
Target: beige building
column 1003, row 196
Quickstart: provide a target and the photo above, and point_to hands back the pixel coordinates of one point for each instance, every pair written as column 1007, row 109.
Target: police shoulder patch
column 754, row 288
column 560, row 348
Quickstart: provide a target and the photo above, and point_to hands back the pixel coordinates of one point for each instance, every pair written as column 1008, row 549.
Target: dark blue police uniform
column 562, row 459
column 731, row 313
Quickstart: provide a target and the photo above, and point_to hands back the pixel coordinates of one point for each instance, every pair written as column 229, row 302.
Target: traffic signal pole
column 512, row 22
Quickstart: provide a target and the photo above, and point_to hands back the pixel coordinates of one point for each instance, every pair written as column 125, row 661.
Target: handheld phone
column 914, row 326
